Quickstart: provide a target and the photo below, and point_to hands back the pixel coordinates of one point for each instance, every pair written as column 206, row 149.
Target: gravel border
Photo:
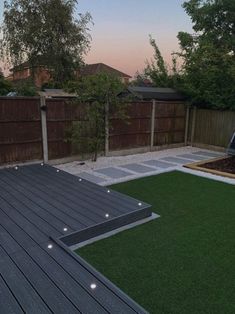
column 75, row 167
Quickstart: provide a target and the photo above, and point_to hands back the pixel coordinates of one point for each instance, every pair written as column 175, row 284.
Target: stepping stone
column 90, row 177
column 159, row 164
column 138, row 168
column 114, row 173
column 177, row 160
column 193, row 157
column 208, row 154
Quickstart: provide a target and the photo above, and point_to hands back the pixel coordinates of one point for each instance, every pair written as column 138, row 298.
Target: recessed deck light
column 80, row 180
column 16, row 167
column 106, row 215
column 140, row 204
column 93, row 286
column 57, row 170
column 65, row 229
column 50, row 246
column 108, row 191
column 42, row 164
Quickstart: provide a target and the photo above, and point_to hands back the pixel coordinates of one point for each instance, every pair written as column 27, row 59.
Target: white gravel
column 75, row 167
column 103, row 162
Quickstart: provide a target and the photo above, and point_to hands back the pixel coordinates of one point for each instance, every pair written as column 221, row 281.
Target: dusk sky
column 120, row 35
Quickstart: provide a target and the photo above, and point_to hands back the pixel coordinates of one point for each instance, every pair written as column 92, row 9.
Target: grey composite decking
column 42, row 211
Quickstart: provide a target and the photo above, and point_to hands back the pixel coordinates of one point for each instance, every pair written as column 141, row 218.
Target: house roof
column 91, row 69
column 88, row 69
column 157, row 93
column 26, row 65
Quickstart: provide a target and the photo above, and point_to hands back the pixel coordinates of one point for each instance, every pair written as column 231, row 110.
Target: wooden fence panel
column 20, row 129
column 169, row 123
column 133, row 133
column 60, row 115
column 213, row 127
column 169, row 126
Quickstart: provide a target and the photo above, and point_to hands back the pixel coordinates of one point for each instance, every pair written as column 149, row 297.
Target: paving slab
column 193, row 157
column 208, row 154
column 114, row 173
column 138, row 168
column 159, row 164
column 177, row 160
column 90, row 177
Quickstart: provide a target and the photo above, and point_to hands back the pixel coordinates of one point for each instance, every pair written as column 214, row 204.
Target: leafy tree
column 47, row 33
column 159, row 72
column 141, row 79
column 98, row 99
column 207, row 71
column 208, row 55
column 26, row 88
column 5, row 86
column 54, row 85
column 157, row 68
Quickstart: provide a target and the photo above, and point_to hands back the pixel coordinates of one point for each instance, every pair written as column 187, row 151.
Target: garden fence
column 29, row 130
column 210, row 128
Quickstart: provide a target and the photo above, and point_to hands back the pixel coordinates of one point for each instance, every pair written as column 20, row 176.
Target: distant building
column 40, row 75
column 91, row 69
column 24, row 72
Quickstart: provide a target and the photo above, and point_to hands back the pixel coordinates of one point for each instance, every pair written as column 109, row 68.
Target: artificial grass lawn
column 183, row 262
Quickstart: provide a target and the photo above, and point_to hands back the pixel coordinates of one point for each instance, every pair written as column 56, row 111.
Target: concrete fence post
column 152, row 125
column 44, row 128
column 193, row 125
column 106, row 129
column 186, row 126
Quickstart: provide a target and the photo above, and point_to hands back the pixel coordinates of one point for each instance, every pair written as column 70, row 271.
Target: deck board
column 71, row 190
column 40, row 198
column 8, row 303
column 36, row 203
column 98, row 191
column 72, row 187
column 20, row 286
column 55, row 199
column 65, row 196
column 32, row 203
column 51, row 294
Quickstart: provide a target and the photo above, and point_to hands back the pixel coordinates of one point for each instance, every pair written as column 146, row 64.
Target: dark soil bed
column 224, row 165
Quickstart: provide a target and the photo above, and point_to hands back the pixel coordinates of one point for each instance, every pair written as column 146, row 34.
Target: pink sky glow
column 120, row 35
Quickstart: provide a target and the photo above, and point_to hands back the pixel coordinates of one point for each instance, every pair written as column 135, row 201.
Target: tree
column 141, row 79
column 157, row 68
column 159, row 72
column 98, row 99
column 26, row 88
column 5, row 86
column 208, row 55
column 45, row 33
